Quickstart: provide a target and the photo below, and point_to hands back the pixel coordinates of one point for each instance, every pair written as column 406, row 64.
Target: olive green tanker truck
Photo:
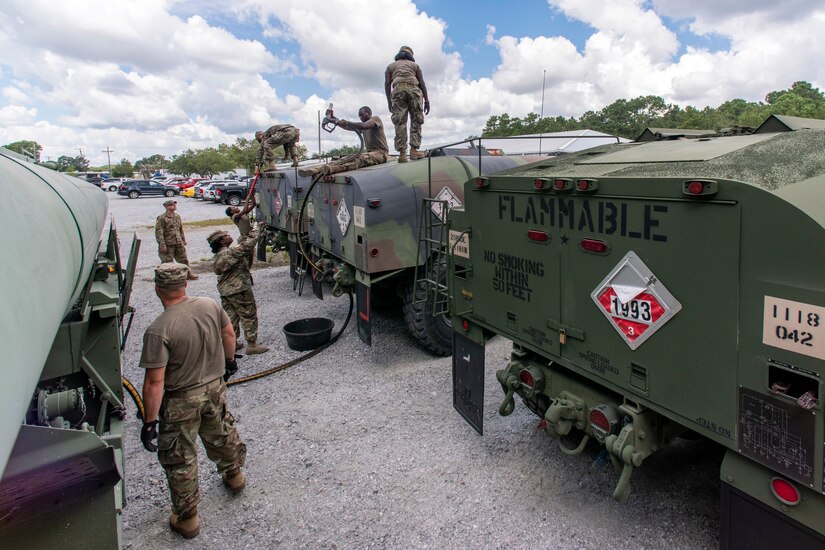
column 64, row 296
column 660, row 290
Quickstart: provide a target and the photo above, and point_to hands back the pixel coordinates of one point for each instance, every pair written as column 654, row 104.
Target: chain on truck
column 660, row 290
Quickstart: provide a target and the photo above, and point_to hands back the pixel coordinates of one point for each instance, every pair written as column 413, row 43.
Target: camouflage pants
column 174, row 251
column 407, row 102
column 182, row 420
column 370, row 158
column 243, row 312
column 288, row 138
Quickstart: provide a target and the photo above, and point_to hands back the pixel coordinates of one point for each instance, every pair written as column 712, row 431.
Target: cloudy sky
column 159, row 76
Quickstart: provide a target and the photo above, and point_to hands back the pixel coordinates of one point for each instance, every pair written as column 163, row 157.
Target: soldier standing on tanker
column 188, row 352
column 170, row 237
column 405, row 89
column 275, row 136
column 375, row 142
column 235, row 285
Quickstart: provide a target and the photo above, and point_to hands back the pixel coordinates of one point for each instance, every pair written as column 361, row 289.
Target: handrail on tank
column 480, row 139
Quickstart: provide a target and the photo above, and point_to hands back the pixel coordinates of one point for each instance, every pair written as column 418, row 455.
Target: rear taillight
column 785, row 492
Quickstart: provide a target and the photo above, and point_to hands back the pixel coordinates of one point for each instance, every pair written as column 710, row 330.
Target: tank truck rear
column 64, row 296
column 658, row 290
column 361, row 230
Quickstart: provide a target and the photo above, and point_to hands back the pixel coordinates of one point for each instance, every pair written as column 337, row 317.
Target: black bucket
column 308, row 334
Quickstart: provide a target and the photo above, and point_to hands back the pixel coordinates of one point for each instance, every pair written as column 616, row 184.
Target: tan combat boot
column 191, row 276
column 234, row 480
column 253, row 348
column 402, row 157
column 415, row 154
column 187, row 528
column 294, row 161
column 238, row 345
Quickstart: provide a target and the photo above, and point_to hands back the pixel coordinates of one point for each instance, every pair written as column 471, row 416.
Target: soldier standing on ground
column 275, row 136
column 187, row 352
column 405, row 89
column 375, row 143
column 170, row 237
column 235, row 285
column 241, row 220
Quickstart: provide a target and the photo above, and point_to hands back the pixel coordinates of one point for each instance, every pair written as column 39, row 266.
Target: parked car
column 136, row 188
column 232, row 194
column 209, row 191
column 113, row 184
column 199, row 188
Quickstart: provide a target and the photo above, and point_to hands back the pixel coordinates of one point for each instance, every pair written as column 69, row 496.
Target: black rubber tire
column 169, row 193
column 113, row 188
column 134, row 194
column 434, row 333
column 234, row 200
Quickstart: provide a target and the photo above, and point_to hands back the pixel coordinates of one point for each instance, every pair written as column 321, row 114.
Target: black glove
column 231, row 367
column 426, row 106
column 147, row 434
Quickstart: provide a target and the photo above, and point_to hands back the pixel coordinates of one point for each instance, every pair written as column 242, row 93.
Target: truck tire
column 434, row 332
column 113, row 188
column 234, row 200
column 169, row 193
column 133, row 194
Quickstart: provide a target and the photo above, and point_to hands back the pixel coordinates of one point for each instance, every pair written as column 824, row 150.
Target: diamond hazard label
column 278, row 203
column 634, row 301
column 343, row 217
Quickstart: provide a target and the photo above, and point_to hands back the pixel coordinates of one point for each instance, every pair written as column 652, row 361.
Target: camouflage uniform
column 235, row 283
column 280, row 134
column 407, row 100
column 169, row 233
column 186, row 341
column 244, row 227
column 375, row 142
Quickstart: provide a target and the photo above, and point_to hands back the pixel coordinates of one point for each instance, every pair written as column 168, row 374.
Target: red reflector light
column 696, row 187
column 594, row 245
column 527, row 378
column 582, row 185
column 373, row 252
column 600, row 420
column 559, row 184
column 465, row 325
column 334, row 202
column 784, row 491
column 538, row 184
column 374, row 203
column 481, row 183
column 538, row 236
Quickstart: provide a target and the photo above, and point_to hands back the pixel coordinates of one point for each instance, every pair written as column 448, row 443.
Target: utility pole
column 108, row 157
column 541, row 116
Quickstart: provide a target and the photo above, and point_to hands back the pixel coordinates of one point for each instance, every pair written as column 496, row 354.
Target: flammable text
column 594, row 216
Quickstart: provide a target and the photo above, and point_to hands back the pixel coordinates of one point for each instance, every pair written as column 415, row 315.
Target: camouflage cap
column 170, row 201
column 406, row 49
column 215, row 235
column 171, row 274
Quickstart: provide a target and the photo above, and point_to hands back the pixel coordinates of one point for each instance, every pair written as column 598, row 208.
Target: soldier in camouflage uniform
column 187, row 352
column 374, row 141
column 406, row 97
column 280, row 134
column 170, row 237
column 241, row 220
column 235, row 284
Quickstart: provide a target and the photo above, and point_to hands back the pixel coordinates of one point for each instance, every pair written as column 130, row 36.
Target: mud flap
column 468, row 380
column 362, row 296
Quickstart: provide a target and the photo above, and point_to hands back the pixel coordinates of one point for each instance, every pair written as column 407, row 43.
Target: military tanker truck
column 64, row 296
column 362, row 231
column 659, row 290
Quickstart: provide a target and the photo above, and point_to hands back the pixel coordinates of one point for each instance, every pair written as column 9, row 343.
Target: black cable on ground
column 130, row 388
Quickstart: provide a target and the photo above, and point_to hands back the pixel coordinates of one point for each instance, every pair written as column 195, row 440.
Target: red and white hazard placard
column 635, row 302
column 278, row 203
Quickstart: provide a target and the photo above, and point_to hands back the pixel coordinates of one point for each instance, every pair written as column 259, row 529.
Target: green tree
column 123, row 169
column 151, row 164
column 31, row 149
column 72, row 164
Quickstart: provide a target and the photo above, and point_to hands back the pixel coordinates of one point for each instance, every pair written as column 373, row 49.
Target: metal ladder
column 432, row 234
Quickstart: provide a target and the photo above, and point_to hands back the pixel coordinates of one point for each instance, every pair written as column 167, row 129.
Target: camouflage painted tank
column 362, row 230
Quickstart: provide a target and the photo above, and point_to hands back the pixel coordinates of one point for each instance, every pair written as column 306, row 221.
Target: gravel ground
column 359, row 447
